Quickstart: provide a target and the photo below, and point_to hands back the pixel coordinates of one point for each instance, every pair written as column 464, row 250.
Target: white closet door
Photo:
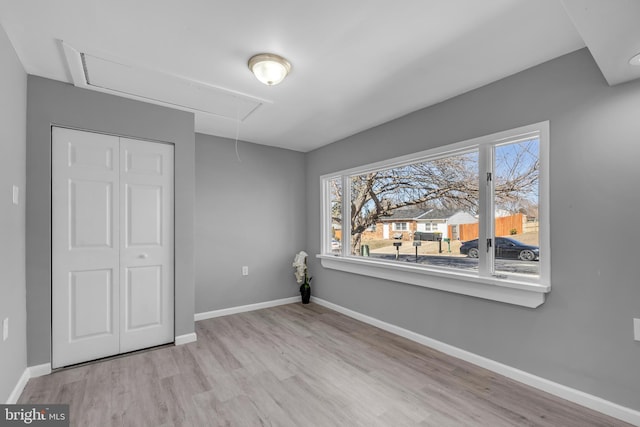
column 146, row 244
column 112, row 245
column 85, row 246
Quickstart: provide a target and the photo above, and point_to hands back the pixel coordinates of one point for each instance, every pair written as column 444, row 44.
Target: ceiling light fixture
column 635, row 60
column 269, row 68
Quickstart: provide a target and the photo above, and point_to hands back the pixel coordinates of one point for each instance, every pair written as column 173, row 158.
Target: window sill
column 508, row 291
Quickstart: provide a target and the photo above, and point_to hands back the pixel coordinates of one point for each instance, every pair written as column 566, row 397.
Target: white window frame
column 404, row 226
column 518, row 290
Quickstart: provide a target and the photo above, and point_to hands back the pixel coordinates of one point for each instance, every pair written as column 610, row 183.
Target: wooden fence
column 504, row 226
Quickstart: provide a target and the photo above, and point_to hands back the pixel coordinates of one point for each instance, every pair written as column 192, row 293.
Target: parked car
column 505, row 247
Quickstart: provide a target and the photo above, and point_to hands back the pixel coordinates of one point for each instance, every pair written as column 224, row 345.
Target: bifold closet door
column 146, row 244
column 112, row 245
column 85, row 249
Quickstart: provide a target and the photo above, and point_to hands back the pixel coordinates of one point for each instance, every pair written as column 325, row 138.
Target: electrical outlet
column 5, row 329
column 245, row 270
column 16, row 195
column 636, row 329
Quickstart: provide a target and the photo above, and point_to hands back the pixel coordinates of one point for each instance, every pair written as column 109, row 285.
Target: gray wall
column 582, row 336
column 51, row 102
column 13, row 107
column 249, row 212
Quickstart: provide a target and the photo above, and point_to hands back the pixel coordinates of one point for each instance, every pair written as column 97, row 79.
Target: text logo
column 34, row 415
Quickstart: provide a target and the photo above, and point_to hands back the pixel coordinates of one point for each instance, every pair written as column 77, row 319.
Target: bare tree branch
column 450, row 183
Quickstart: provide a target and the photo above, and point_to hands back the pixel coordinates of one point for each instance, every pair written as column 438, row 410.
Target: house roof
column 407, row 212
column 440, row 213
column 414, row 213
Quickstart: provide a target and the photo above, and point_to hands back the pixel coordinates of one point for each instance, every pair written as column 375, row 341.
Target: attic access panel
column 94, row 72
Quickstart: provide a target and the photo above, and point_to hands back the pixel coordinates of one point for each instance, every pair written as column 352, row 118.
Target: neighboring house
column 405, row 221
column 449, row 222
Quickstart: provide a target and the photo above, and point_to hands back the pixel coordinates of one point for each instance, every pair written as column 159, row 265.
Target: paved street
column 465, row 263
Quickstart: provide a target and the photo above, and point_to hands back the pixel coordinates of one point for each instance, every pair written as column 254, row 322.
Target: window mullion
column 346, row 216
column 487, row 211
column 326, row 215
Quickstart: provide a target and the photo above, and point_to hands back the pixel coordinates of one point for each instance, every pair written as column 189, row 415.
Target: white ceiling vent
column 108, row 75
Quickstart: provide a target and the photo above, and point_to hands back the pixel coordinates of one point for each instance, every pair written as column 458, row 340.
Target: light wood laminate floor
column 300, row 366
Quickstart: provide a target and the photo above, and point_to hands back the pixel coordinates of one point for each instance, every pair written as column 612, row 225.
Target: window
column 334, row 197
column 516, row 169
column 494, row 187
column 400, row 226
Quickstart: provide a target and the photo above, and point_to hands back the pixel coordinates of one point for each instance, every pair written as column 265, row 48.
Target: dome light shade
column 269, row 68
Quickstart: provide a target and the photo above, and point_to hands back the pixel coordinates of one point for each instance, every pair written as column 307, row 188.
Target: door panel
column 91, row 304
column 90, row 210
column 146, row 237
column 85, row 247
column 90, row 156
column 144, row 221
column 141, row 163
column 144, row 290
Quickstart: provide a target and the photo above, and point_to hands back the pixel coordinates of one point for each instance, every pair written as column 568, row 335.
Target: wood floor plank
column 296, row 365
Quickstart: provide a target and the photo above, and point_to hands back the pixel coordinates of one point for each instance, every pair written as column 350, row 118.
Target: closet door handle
column 143, row 256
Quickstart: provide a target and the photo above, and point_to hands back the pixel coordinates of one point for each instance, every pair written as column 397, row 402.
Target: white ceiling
column 356, row 64
column 612, row 32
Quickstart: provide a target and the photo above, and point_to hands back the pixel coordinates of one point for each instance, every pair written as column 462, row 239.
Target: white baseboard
column 186, row 338
column 39, row 370
column 576, row 396
column 17, row 390
column 244, row 308
column 28, row 373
